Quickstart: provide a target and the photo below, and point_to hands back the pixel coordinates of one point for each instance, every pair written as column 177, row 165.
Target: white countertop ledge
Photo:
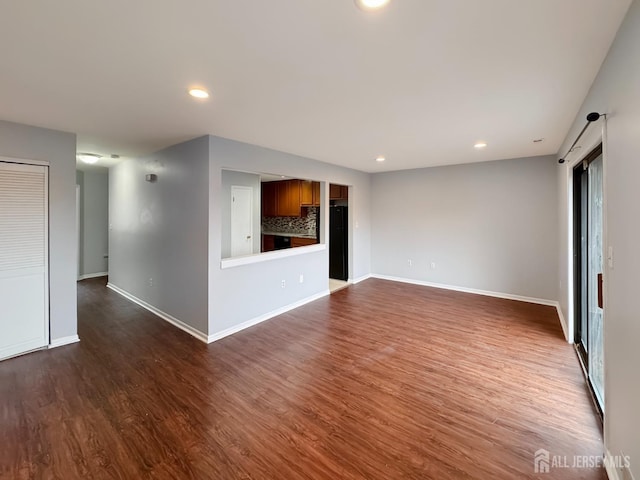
column 274, row 255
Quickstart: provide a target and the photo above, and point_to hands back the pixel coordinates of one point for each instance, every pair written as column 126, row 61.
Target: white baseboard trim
column 614, row 466
column 507, row 296
column 563, row 323
column 61, row 342
column 361, row 279
column 92, row 275
column 262, row 318
column 609, row 466
column 163, row 315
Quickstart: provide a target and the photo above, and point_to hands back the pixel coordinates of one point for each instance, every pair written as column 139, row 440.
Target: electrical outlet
column 284, row 284
column 301, row 278
column 433, row 265
column 410, row 262
column 151, row 282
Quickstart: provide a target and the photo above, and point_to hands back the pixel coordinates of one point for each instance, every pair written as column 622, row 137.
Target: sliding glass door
column 589, row 253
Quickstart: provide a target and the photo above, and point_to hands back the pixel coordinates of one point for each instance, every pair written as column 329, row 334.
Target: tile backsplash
column 298, row 225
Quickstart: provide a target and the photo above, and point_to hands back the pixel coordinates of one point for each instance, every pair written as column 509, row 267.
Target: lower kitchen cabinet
column 268, row 243
column 301, row 242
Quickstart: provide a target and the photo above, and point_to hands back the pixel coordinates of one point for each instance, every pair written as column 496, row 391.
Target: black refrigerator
column 338, row 243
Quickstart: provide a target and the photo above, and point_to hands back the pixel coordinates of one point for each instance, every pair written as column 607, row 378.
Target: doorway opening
column 92, row 221
column 338, row 237
column 588, row 248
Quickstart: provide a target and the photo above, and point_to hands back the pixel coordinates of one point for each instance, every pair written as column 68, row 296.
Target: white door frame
column 78, row 243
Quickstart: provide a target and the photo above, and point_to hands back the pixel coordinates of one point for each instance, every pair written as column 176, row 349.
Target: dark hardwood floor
column 378, row 381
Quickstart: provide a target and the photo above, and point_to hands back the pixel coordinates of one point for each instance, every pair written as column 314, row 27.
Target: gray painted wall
column 239, row 294
column 487, row 226
column 229, row 179
column 59, row 149
column 94, row 220
column 159, row 230
column 616, row 91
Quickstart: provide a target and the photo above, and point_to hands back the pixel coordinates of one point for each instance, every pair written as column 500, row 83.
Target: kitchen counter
column 281, row 234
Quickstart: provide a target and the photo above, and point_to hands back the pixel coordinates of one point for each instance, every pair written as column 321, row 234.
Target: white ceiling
column 419, row 82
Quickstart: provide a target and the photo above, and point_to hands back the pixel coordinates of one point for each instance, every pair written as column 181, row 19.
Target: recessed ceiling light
column 88, row 157
column 380, row 159
column 368, row 5
column 199, row 93
column 480, row 145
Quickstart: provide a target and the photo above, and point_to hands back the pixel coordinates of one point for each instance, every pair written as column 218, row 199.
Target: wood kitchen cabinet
column 309, row 193
column 316, row 194
column 268, row 243
column 281, row 199
column 306, row 193
column 338, row 192
column 269, row 208
column 301, row 241
column 288, row 198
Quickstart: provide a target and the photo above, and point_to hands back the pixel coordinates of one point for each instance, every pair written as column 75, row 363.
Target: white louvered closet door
column 24, row 322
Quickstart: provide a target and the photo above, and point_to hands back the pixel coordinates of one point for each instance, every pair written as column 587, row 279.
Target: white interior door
column 241, row 221
column 24, row 301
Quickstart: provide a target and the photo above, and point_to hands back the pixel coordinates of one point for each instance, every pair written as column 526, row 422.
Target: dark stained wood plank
column 378, row 381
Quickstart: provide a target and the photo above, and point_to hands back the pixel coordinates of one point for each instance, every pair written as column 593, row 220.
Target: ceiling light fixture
column 89, row 158
column 380, row 159
column 368, row 5
column 480, row 145
column 199, row 93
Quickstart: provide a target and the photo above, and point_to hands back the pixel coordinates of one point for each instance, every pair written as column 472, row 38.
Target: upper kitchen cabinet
column 288, row 198
column 281, row 199
column 338, row 192
column 269, row 199
column 316, row 194
column 309, row 193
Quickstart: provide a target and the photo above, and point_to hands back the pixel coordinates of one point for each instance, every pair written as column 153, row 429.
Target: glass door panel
column 595, row 270
column 589, row 265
